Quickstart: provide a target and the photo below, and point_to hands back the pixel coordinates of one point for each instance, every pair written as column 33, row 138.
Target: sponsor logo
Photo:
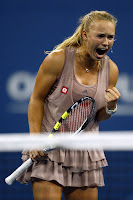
column 85, row 92
column 64, row 90
column 19, row 87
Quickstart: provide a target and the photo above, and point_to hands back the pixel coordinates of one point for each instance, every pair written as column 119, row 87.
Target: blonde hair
column 85, row 24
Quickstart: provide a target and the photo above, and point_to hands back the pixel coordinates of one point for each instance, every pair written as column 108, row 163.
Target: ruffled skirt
column 70, row 168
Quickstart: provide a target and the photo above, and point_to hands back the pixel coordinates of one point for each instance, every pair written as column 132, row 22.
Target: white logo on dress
column 64, row 90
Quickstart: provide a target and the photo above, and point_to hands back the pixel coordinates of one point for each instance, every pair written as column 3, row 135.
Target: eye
column 101, row 35
column 110, row 37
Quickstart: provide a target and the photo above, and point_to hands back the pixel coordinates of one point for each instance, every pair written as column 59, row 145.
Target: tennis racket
column 74, row 120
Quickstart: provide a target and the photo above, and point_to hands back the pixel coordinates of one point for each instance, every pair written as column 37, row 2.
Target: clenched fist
column 112, row 96
column 36, row 155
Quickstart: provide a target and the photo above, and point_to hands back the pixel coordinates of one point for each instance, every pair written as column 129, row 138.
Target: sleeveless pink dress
column 71, row 168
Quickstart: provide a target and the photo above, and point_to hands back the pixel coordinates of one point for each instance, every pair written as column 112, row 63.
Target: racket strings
column 77, row 117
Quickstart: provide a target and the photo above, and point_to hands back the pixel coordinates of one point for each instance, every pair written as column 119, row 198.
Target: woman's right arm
column 48, row 73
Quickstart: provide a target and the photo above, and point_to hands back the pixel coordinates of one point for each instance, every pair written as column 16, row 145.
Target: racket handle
column 10, row 179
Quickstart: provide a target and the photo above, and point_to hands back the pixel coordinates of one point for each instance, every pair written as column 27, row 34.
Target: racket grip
column 10, row 179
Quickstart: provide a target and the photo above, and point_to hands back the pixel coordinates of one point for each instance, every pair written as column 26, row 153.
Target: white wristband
column 110, row 112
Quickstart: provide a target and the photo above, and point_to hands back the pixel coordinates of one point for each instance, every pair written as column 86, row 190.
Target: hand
column 36, row 155
column 112, row 96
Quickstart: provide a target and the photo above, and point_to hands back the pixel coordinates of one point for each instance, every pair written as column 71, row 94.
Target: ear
column 84, row 35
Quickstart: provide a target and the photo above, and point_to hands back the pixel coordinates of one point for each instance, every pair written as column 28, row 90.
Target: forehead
column 103, row 27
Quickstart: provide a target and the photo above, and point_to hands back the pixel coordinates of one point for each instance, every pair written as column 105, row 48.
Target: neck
column 85, row 60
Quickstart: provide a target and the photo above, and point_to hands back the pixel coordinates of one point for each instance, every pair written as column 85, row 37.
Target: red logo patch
column 64, row 90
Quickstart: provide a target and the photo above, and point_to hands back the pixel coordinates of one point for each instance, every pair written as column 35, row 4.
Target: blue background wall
column 27, row 28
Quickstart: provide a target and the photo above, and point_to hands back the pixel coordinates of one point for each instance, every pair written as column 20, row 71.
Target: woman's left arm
column 112, row 94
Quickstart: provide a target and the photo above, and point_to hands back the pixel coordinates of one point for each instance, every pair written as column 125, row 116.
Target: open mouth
column 101, row 51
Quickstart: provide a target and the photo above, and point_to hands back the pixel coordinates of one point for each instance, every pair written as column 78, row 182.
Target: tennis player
column 76, row 68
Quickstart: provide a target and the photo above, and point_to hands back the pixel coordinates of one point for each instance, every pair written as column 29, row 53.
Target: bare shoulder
column 54, row 62
column 114, row 73
column 48, row 73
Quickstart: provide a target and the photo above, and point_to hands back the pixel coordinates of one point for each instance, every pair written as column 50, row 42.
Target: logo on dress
column 85, row 91
column 64, row 90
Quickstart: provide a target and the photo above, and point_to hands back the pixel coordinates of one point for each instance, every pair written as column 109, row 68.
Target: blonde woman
column 76, row 68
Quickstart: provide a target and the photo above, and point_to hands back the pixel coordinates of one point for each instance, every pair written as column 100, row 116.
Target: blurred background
column 28, row 28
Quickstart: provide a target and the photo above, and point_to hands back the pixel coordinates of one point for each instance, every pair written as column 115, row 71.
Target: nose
column 105, row 42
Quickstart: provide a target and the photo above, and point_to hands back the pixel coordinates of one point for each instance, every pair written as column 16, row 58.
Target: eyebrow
column 103, row 34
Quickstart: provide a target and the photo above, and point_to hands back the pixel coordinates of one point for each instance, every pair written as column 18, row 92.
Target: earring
column 111, row 50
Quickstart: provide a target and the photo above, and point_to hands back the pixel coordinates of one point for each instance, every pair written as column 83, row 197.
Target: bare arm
column 112, row 94
column 47, row 75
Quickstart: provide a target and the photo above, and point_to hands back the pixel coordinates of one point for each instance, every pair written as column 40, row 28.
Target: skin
column 101, row 35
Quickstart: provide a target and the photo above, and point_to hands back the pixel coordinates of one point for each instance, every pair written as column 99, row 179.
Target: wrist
column 110, row 112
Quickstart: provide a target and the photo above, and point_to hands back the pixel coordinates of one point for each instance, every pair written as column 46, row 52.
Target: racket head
column 77, row 116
